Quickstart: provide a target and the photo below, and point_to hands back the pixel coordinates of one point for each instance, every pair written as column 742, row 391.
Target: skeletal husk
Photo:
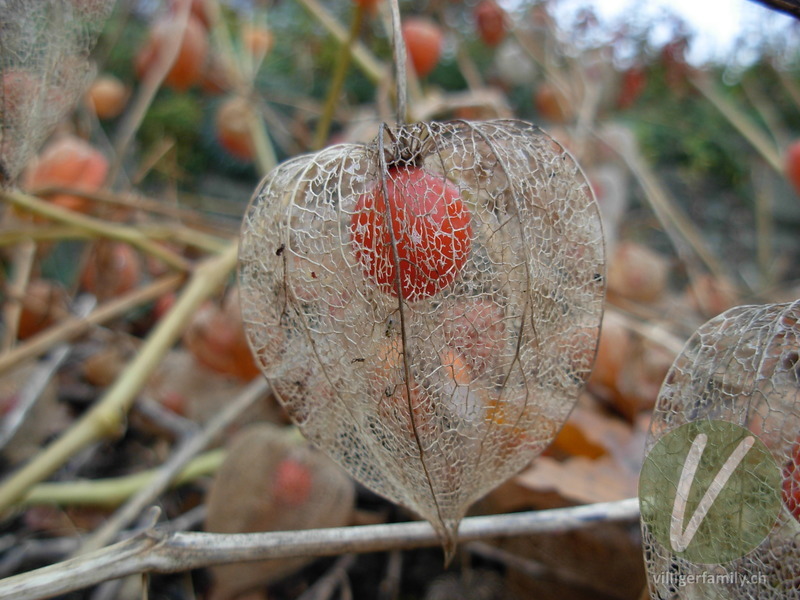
column 435, row 401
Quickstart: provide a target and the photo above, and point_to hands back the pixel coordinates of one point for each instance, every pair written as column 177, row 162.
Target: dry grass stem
column 106, row 418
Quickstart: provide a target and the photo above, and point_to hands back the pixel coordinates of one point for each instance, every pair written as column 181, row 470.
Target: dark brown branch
column 789, row 7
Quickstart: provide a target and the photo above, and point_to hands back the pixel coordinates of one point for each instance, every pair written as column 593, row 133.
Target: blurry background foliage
column 698, row 152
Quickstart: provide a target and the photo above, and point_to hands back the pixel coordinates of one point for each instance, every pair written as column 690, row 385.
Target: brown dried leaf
column 591, row 433
column 581, row 480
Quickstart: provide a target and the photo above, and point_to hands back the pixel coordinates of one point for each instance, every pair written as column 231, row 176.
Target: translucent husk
column 44, row 70
column 741, row 367
column 434, row 396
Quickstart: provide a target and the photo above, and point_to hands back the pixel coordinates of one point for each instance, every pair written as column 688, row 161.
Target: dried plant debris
column 720, row 486
column 44, row 70
column 427, row 306
column 272, row 480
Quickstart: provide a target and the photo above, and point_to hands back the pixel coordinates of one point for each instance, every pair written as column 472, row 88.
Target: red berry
column 292, row 482
column 491, row 22
column 430, row 226
column 793, row 165
column 424, row 44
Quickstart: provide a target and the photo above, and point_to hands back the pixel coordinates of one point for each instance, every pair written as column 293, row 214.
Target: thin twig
column 167, row 473
column 527, row 566
column 73, row 327
column 742, row 123
column 175, row 425
column 266, row 159
column 324, row 587
column 106, row 418
column 38, row 380
column 157, row 551
column 24, row 255
column 139, row 202
column 790, row 7
column 151, row 83
column 390, row 584
column 649, row 329
column 678, row 227
column 371, row 66
column 36, row 233
column 337, row 80
column 41, row 550
column 99, row 227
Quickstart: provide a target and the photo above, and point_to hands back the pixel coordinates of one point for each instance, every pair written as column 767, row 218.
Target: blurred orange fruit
column 68, row 162
column 424, row 41
column 187, row 69
column 107, row 96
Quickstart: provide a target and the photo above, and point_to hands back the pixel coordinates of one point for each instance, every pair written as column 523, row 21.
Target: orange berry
column 234, row 125
column 187, row 69
column 424, row 41
column 107, row 96
column 69, row 162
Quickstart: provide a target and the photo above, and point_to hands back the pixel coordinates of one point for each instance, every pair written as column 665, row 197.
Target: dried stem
column 677, row 226
column 399, row 63
column 73, row 327
column 649, row 329
column 106, row 418
column 326, row 585
column 147, row 91
column 266, row 159
column 742, row 123
column 116, row 490
column 24, row 255
column 789, row 7
column 337, row 81
column 133, row 200
column 158, row 551
column 167, row 473
column 99, row 227
column 371, row 66
column 38, row 381
column 162, row 232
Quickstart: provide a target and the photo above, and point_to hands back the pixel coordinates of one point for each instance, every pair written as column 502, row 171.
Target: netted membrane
column 427, row 306
column 735, row 382
column 44, row 70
